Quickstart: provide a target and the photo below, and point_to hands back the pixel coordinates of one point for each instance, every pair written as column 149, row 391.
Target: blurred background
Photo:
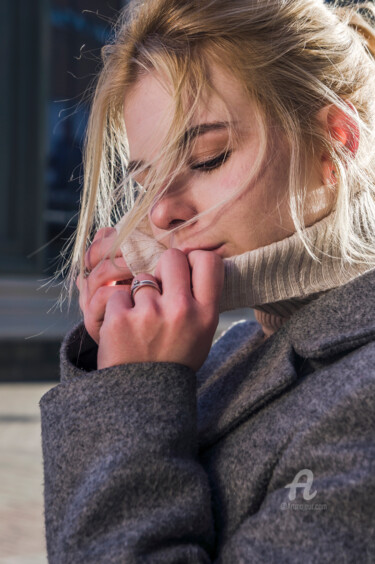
column 50, row 54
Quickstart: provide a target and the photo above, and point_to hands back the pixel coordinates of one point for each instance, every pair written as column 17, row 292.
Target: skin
column 179, row 324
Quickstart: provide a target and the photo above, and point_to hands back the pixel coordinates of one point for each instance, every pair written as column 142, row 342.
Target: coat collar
column 257, row 371
column 340, row 320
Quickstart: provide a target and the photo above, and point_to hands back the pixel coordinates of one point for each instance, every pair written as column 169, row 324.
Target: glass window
column 79, row 28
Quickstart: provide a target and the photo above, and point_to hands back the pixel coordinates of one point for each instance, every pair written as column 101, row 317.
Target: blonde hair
column 293, row 57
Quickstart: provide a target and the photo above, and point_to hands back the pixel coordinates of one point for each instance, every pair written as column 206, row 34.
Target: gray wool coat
column 266, row 455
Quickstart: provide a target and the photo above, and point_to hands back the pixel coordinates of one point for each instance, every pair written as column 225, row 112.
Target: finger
column 174, row 272
column 94, row 314
column 145, row 293
column 207, row 276
column 107, row 273
column 119, row 301
column 99, row 301
column 101, row 247
column 104, row 232
column 81, row 284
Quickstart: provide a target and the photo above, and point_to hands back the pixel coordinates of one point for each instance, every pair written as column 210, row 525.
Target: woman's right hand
column 100, row 284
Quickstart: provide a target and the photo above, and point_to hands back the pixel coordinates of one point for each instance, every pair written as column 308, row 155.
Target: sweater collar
column 278, row 279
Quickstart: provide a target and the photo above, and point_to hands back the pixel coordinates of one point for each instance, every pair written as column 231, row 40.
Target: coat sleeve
column 122, row 481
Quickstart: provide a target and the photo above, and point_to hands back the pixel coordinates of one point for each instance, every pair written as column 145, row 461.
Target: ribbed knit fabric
column 277, row 279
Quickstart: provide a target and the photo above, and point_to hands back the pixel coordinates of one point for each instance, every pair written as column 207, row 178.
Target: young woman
column 235, row 140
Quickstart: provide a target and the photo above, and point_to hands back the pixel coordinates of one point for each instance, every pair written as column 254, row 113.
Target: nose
column 172, row 210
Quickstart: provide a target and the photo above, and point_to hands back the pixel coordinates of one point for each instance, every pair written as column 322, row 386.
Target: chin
column 222, row 252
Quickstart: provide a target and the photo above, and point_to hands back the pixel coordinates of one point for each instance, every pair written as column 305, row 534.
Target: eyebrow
column 189, row 135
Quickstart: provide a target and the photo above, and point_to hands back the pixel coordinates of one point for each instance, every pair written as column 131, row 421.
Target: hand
column 95, row 290
column 175, row 326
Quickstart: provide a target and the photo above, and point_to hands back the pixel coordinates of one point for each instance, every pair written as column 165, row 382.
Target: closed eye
column 211, row 164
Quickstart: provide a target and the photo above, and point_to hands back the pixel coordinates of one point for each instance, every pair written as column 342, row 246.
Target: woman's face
column 259, row 215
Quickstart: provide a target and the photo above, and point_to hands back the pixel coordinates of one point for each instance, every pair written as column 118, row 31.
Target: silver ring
column 137, row 284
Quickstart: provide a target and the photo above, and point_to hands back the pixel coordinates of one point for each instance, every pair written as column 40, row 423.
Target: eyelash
column 212, row 164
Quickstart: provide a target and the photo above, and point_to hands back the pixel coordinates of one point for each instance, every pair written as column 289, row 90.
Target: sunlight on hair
column 292, row 59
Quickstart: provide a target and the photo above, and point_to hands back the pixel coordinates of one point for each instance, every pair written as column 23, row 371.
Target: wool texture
column 153, row 463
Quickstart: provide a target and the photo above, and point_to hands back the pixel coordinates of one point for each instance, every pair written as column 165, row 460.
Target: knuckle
column 196, row 257
column 195, row 254
column 104, row 232
column 98, row 249
column 210, row 260
column 92, row 255
column 171, row 254
column 206, row 256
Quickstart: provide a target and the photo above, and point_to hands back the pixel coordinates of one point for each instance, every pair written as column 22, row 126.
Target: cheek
column 238, row 181
column 236, row 176
column 258, row 197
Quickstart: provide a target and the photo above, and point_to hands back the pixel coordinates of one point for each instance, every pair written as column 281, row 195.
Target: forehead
column 149, row 109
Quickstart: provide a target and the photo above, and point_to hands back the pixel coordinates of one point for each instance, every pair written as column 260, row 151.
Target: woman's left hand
column 175, row 326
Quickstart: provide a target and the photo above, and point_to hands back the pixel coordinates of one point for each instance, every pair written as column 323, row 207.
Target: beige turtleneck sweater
column 275, row 280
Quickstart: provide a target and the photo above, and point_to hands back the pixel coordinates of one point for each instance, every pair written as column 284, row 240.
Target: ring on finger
column 86, row 272
column 138, row 284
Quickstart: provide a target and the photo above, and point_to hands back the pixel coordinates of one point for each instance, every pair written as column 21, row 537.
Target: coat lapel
column 242, row 384
column 256, row 372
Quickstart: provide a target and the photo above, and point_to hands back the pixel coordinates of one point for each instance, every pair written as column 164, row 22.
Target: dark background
column 50, row 54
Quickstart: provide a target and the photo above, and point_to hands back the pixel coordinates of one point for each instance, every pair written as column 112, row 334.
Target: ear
column 341, row 127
